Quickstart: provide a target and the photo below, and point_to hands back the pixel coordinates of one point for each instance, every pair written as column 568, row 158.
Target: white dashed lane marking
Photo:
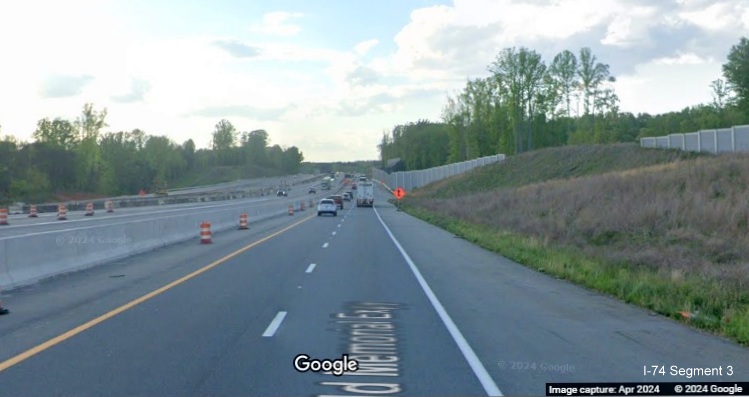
column 274, row 325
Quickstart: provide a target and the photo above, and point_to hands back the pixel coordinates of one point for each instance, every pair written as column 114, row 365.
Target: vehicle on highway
column 338, row 200
column 365, row 195
column 312, row 190
column 282, row 193
column 327, row 206
column 353, row 186
column 347, row 196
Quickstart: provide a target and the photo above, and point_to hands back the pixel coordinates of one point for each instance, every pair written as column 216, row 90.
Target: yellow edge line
column 83, row 327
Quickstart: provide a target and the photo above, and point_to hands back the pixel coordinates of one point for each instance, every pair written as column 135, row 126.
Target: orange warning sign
column 399, row 193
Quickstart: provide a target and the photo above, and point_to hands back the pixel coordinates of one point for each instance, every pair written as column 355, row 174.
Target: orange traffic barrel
column 62, row 212
column 205, row 233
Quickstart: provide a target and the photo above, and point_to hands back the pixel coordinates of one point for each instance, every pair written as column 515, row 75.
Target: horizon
column 321, row 76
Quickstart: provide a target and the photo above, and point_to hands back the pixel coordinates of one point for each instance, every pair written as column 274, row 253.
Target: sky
column 330, row 76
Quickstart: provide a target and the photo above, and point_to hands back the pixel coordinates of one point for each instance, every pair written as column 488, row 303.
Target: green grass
column 221, row 174
column 662, row 229
column 553, row 163
column 723, row 311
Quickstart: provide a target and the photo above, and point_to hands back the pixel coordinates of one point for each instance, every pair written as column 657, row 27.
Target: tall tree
column 224, row 138
column 224, row 135
column 456, row 115
column 736, row 72
column 90, row 167
column 256, row 144
column 8, row 164
column 292, row 158
column 523, row 73
column 57, row 132
column 91, row 122
column 507, row 70
column 563, row 70
column 534, row 71
column 188, row 150
column 592, row 73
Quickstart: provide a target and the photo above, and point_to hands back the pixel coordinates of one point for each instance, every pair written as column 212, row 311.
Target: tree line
column 526, row 103
column 76, row 156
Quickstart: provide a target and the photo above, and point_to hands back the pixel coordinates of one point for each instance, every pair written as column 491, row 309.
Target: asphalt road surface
column 422, row 312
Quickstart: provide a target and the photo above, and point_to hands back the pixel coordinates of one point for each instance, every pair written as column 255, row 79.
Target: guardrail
column 733, row 139
column 410, row 180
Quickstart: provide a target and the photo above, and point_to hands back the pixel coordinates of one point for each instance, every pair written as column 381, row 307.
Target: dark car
column 281, row 193
column 338, row 200
column 312, row 191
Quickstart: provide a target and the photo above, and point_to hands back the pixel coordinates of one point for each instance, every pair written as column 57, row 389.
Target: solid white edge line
column 274, row 325
column 311, row 268
column 325, row 245
column 478, row 368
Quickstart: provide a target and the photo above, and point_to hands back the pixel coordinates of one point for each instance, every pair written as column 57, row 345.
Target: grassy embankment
column 221, row 174
column 661, row 229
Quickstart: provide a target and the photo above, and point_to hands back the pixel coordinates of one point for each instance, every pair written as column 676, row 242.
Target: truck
column 365, row 194
column 325, row 184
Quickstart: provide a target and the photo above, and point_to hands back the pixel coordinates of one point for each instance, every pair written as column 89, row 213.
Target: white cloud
column 631, row 28
column 717, row 16
column 362, row 48
column 278, row 23
column 334, row 103
column 681, row 59
column 663, row 86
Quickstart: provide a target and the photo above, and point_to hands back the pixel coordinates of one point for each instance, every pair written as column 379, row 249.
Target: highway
column 423, row 312
column 22, row 224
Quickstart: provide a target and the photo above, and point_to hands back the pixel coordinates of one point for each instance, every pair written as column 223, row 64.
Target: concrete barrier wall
column 177, row 198
column 733, row 139
column 4, row 273
column 692, row 143
column 410, row 180
column 27, row 259
column 741, row 139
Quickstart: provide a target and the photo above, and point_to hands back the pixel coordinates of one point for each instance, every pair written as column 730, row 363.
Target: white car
column 327, row 206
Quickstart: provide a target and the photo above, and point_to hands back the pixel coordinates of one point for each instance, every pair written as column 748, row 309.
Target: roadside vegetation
column 526, row 103
column 577, row 198
column 665, row 230
column 76, row 158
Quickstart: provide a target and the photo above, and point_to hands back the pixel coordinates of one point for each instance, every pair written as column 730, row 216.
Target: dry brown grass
column 686, row 217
